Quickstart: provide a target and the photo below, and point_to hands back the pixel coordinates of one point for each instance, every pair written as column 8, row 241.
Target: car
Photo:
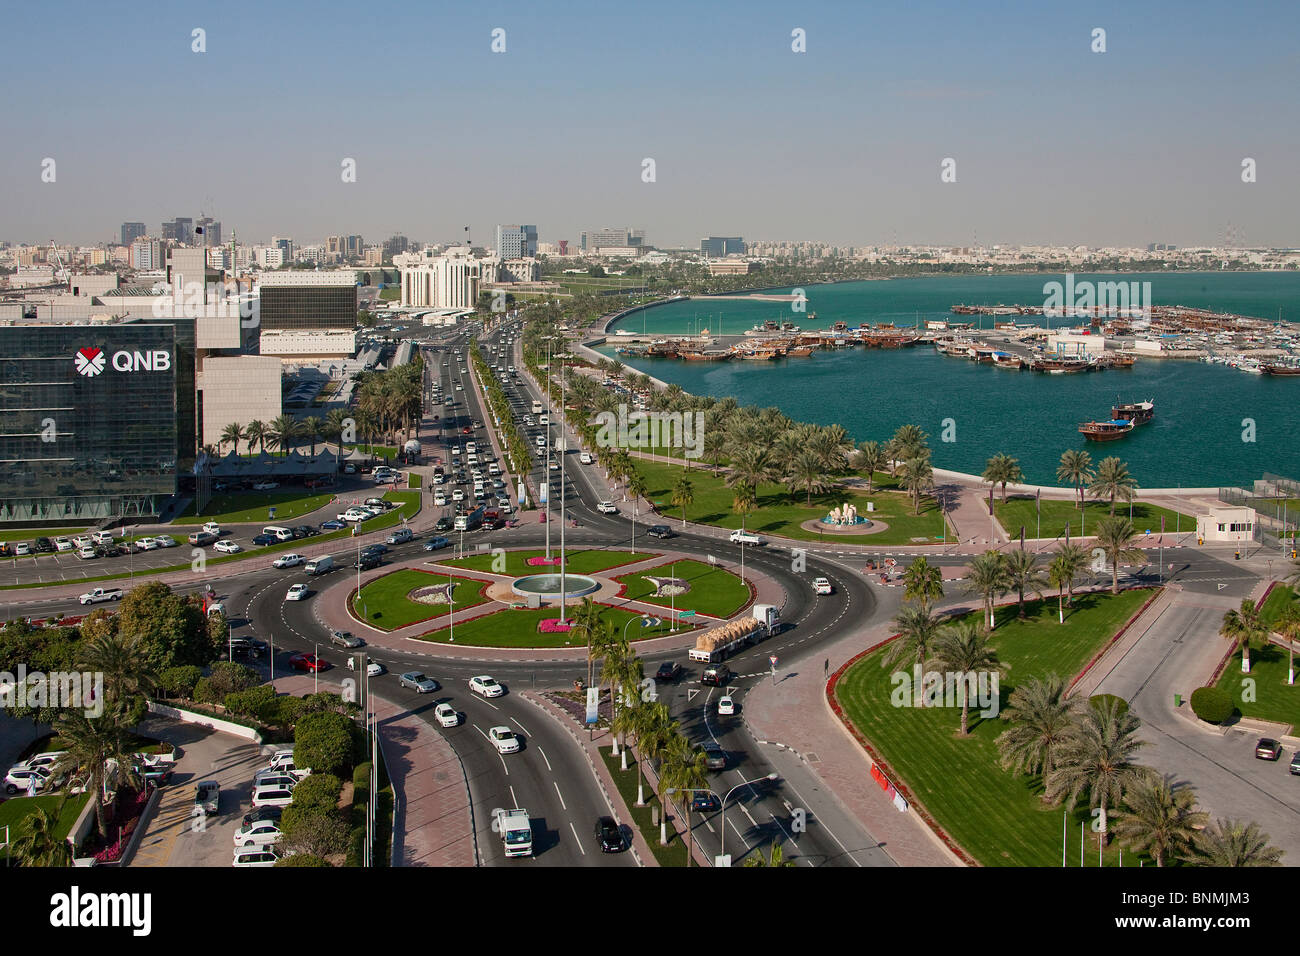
column 744, row 537
column 608, row 835
column 400, row 536
column 333, row 524
column 607, row 508
column 716, row 675
column 269, row 778
column 305, row 531
column 261, row 540
column 373, row 668
column 147, row 544
column 439, row 499
column 266, row 485
column 661, row 531
column 20, row 778
column 212, row 528
column 355, row 514
column 705, row 801
column 307, row 662
column 62, row 544
column 1295, row 763
column 418, row 682
column 375, row 548
column 228, row 547
column 345, row 639
column 289, row 561
column 715, row 758
column 261, row 833
column 822, row 586
column 726, row 707
column 554, row 466
column 668, row 671
column 585, row 458
column 486, row 686
column 165, row 541
column 297, row 592
column 436, row 544
column 446, row 715
column 443, row 524
column 349, row 469
column 256, row 856
column 1268, row 749
column 262, row 813
column 458, row 495
column 504, row 739
column 87, row 553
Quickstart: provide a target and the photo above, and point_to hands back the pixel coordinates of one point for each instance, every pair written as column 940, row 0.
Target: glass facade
column 95, row 421
column 309, row 306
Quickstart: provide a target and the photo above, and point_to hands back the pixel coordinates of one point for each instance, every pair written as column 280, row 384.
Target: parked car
column 266, row 485
column 418, row 682
column 261, row 833
column 485, row 686
column 1295, row 763
column 20, row 778
column 1268, row 749
column 207, row 798
column 264, row 539
column 263, row 813
column 333, row 524
column 256, row 856
column 165, row 541
column 446, row 715
column 227, row 547
column 608, row 835
column 212, row 527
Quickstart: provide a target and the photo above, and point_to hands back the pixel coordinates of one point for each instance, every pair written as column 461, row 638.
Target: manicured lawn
column 674, row 854
column 1275, row 699
column 996, row 817
column 15, row 811
column 251, row 506
column 589, row 561
column 781, row 513
column 383, row 602
column 518, row 628
column 414, row 480
column 713, row 590
column 1020, row 510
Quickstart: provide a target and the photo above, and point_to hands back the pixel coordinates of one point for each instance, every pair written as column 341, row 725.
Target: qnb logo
column 90, row 361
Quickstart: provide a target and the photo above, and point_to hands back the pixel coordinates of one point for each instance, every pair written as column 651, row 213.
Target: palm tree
column 743, row 501
column 1115, row 536
column 284, row 432
column 1025, row 575
column 918, row 476
column 92, row 746
column 918, row 630
column 964, row 648
column 1060, row 574
column 807, row 473
column 683, row 494
column 625, row 671
column 1076, row 468
column 1243, row 626
column 909, row 442
column 129, row 676
column 656, row 742
column 1001, row 470
column 685, row 769
column 775, row 857
column 1288, row 625
column 987, row 577
column 1097, row 760
column 1042, row 718
column 257, row 434
column 336, row 423
column 871, row 458
column 1074, row 558
column 922, row 581
column 1113, row 481
column 39, row 844
column 636, row 487
column 232, row 434
column 313, row 427
column 750, row 465
column 643, row 720
column 1233, row 843
column 1159, row 819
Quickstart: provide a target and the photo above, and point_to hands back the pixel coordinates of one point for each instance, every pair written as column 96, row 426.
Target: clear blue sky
column 1053, row 143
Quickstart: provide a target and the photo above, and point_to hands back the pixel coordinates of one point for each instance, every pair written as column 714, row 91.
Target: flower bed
column 550, row 625
column 121, row 819
column 538, row 562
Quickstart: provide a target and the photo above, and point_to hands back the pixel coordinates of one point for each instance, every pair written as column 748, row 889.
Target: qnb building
column 308, row 314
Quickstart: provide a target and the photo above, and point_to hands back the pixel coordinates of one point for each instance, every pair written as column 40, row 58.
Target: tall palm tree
column 923, row 582
column 1159, row 819
column 964, row 648
column 643, row 720
column 1060, row 574
column 918, row 476
column 92, row 746
column 257, row 434
column 987, row 577
column 284, row 433
column 1243, row 627
column 129, row 675
column 232, row 434
column 39, row 844
column 1115, row 535
column 1226, row 843
column 1042, row 718
column 751, row 465
column 775, row 857
column 1001, row 470
column 1074, row 558
column 1076, row 468
column 1097, row 760
column 918, row 630
column 871, row 458
column 686, row 768
column 636, row 487
column 807, row 473
column 1112, row 481
column 1288, row 625
column 909, row 442
column 656, row 742
column 313, row 428
column 335, row 424
column 683, row 494
column 625, row 671
column 1025, row 575
column 743, row 501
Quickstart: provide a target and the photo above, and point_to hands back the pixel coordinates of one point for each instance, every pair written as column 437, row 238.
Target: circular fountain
column 548, row 585
column 845, row 517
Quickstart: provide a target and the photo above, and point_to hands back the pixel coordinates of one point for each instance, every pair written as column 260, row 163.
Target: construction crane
column 61, row 274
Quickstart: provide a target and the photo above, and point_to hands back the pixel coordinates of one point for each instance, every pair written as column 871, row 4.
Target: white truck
column 516, row 831
column 100, row 595
column 715, row 644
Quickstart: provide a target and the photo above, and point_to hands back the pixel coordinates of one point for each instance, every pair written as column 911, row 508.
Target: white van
column 320, row 565
column 102, row 537
column 280, row 534
column 470, row 448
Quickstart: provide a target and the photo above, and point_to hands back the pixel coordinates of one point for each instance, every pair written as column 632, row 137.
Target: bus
column 537, row 406
column 469, row 521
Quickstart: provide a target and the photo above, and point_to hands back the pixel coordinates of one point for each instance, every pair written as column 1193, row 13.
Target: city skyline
column 1053, row 144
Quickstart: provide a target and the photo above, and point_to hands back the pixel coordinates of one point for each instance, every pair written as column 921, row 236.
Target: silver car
column 418, row 682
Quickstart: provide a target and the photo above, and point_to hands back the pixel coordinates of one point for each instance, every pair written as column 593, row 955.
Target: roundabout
column 552, row 585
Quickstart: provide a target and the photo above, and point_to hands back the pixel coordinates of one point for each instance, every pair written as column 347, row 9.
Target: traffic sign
column 685, row 613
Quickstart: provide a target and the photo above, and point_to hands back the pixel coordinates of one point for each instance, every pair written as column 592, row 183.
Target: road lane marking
column 564, row 805
column 548, row 763
column 576, row 839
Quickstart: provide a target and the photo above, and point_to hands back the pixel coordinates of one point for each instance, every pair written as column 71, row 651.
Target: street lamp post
column 315, row 674
column 723, row 815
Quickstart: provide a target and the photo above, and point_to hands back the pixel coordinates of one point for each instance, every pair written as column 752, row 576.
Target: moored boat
column 1281, row 368
column 1139, row 413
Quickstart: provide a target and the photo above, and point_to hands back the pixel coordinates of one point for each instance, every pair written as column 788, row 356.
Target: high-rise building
column 131, row 231
column 449, row 281
column 395, row 245
column 717, row 247
column 180, row 229
column 308, row 313
column 146, row 254
column 516, row 242
column 211, row 232
column 594, row 239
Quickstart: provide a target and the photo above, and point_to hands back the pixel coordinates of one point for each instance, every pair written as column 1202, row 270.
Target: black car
column 661, row 531
column 369, row 560
column 608, row 835
column 705, row 801
column 43, row 545
column 444, row 524
column 258, row 814
column 375, row 549
column 668, row 671
column 265, row 539
column 716, row 675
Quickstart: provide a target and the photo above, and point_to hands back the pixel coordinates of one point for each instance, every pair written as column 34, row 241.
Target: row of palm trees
column 1109, row 481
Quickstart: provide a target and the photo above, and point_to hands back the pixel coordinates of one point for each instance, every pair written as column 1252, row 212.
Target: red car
column 307, row 662
column 467, row 430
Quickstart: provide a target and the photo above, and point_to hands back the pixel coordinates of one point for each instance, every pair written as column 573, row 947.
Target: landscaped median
column 517, row 563
column 687, row 586
column 413, row 595
column 536, row 627
column 984, row 813
column 1048, row 517
column 1272, row 698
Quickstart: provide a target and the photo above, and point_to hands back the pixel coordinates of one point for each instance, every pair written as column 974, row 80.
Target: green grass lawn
column 713, row 590
column 15, row 812
column 781, row 513
column 589, row 561
column 996, row 817
column 251, row 506
column 1020, row 510
column 1275, row 699
column 518, row 628
column 383, row 602
column 674, row 854
column 414, row 480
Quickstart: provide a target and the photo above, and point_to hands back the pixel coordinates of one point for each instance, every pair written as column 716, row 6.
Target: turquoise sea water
column 1196, row 438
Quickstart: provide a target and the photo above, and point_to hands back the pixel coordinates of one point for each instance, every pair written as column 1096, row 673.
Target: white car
column 607, row 508
column 745, row 537
column 147, row 544
column 458, row 495
column 355, row 514
column 297, row 592
column 486, row 686
column 266, row 485
column 256, row 856
column 288, row 561
column 439, row 499
column 726, row 707
column 281, row 778
column 62, row 544
column 212, row 528
column 259, row 833
column 272, row 795
column 446, row 715
column 373, row 668
column 822, row 586
column 227, row 547
column 87, row 553
column 19, row 778
column 585, row 458
column 165, row 541
column 504, row 739
column 82, row 541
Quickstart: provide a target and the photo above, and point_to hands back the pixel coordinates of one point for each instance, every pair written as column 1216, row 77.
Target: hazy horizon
column 1054, row 144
